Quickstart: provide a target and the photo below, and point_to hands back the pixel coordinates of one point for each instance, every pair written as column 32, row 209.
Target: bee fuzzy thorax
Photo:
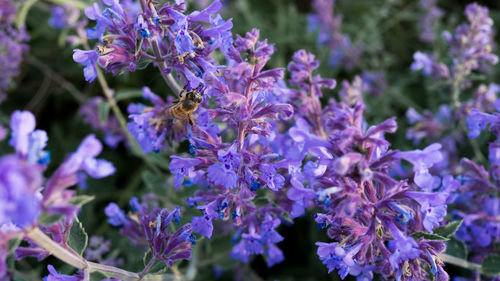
column 187, row 103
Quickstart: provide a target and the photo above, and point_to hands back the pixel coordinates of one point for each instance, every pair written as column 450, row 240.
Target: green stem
column 148, row 267
column 55, row 249
column 77, row 4
column 65, row 255
column 459, row 262
column 162, row 65
column 61, row 81
column 108, row 93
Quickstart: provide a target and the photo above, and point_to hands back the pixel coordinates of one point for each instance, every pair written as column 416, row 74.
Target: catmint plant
column 218, row 154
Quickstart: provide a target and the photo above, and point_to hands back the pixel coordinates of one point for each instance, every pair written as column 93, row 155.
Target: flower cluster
column 431, row 14
column 25, row 194
column 12, row 46
column 328, row 24
column 231, row 172
column 367, row 212
column 471, row 47
column 473, row 203
column 179, row 42
column 148, row 226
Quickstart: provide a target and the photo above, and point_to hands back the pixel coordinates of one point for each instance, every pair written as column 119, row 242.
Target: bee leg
column 190, row 120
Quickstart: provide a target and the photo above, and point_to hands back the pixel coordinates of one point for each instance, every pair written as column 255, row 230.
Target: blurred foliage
column 387, row 30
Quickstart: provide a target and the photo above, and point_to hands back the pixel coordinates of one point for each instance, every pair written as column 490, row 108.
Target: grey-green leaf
column 97, row 276
column 429, row 236
column 449, row 229
column 456, row 248
column 77, row 237
column 49, row 219
column 491, row 265
column 81, row 200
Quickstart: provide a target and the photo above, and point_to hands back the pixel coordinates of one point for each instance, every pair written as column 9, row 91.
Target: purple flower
column 63, row 16
column 22, row 124
column 84, row 159
column 202, row 225
column 98, row 249
column 433, row 216
column 20, row 200
column 336, row 257
column 55, row 276
column 13, row 41
column 27, row 142
column 422, row 161
column 274, row 255
column 477, row 121
column 181, row 167
column 116, row 216
column 111, row 128
column 422, row 62
column 273, row 180
column 218, row 174
column 431, row 14
column 151, row 226
column 88, row 60
column 404, row 247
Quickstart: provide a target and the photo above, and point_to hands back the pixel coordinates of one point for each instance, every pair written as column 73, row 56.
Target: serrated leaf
column 77, row 237
column 429, row 236
column 81, row 200
column 128, row 94
column 103, row 112
column 456, row 248
column 448, row 230
column 491, row 265
column 46, row 219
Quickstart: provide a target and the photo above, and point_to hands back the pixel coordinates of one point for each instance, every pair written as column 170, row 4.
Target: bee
column 185, row 105
column 104, row 47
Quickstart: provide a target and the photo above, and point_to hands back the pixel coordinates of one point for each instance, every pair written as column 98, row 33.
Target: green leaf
column 142, row 63
column 147, row 256
column 97, row 276
column 491, row 265
column 128, row 94
column 286, row 216
column 77, row 237
column 449, row 229
column 456, row 248
column 46, row 219
column 429, row 236
column 159, row 277
column 81, row 200
column 13, row 243
column 158, row 266
column 103, row 109
column 154, row 183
